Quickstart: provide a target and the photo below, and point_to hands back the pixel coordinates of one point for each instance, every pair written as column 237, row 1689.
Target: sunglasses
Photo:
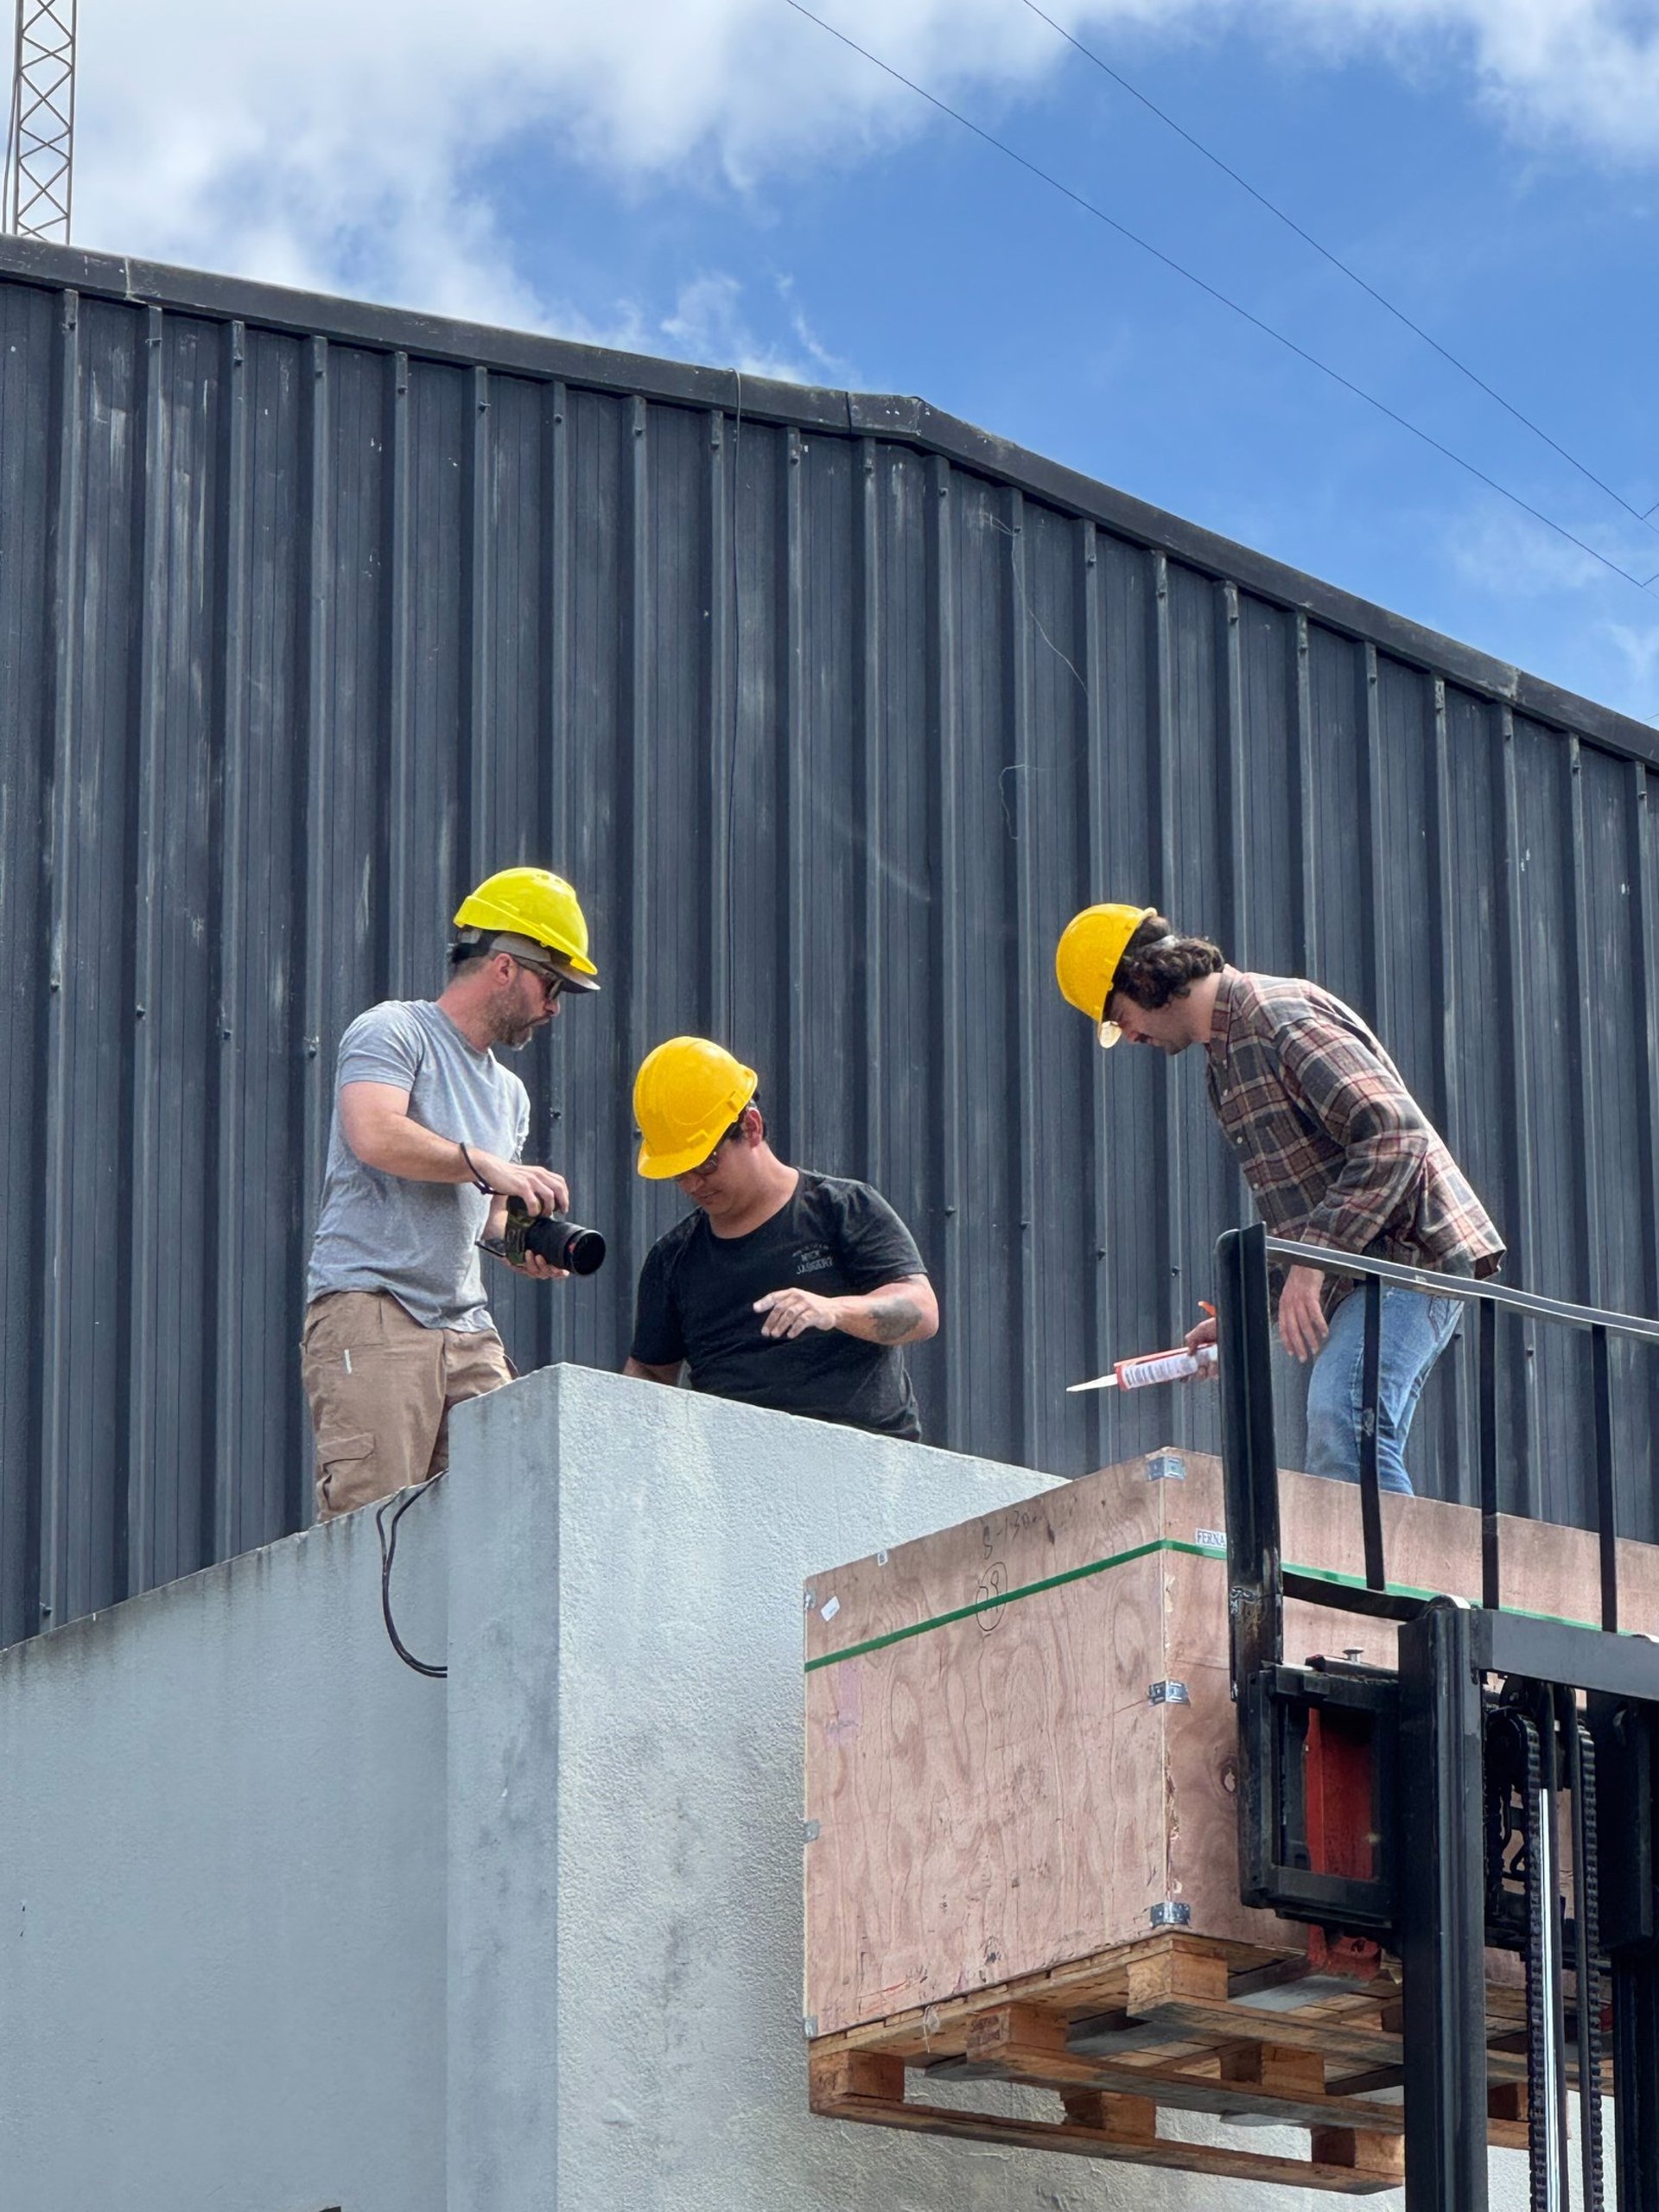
column 549, row 978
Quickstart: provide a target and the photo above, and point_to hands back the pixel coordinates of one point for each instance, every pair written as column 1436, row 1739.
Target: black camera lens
column 565, row 1244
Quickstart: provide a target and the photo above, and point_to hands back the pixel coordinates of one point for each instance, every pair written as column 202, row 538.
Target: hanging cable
column 1343, row 267
column 397, row 1505
column 1290, row 345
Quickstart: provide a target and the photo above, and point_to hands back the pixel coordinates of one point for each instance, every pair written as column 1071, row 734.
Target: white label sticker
column 1212, row 1540
column 832, row 1606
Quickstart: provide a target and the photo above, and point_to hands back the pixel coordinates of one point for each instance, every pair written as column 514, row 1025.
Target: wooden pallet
column 1170, row 2023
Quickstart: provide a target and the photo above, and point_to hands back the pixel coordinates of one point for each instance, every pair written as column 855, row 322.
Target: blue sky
column 718, row 179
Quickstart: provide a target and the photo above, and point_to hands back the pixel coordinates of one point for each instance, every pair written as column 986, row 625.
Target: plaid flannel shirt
column 1334, row 1148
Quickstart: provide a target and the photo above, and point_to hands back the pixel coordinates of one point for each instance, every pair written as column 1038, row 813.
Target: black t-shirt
column 697, row 1303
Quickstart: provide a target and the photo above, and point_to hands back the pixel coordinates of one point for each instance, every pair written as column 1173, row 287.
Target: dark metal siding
column 834, row 709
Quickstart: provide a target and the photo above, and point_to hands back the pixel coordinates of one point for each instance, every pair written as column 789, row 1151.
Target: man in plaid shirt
column 1334, row 1148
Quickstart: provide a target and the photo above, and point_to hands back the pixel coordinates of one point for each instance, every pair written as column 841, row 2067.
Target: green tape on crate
column 1011, row 1597
column 1332, row 1575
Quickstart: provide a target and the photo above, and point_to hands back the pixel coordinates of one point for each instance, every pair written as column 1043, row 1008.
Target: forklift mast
column 1421, row 1809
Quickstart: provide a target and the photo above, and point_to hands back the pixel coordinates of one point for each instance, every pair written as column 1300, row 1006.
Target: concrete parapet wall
column 288, row 1927
column 223, row 1893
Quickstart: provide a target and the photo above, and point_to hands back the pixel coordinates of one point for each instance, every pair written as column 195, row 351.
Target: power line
column 1111, row 222
column 1345, row 268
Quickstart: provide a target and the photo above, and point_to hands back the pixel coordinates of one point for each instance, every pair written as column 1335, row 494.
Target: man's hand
column 1302, row 1324
column 542, row 1191
column 1198, row 1338
column 792, row 1312
column 904, row 1311
column 1203, row 1334
column 539, row 1269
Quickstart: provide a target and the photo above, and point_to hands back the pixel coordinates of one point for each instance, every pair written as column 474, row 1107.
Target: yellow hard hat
column 1085, row 960
column 686, row 1095
column 534, row 902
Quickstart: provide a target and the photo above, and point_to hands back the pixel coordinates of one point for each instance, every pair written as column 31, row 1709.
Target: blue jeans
column 1415, row 1332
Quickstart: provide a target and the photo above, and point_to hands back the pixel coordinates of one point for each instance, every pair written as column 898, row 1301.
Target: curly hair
column 1158, row 966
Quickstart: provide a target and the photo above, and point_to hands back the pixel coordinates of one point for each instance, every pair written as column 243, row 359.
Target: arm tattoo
column 894, row 1317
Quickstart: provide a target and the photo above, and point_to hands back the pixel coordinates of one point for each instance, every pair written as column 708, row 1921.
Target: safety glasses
column 708, row 1166
column 549, row 978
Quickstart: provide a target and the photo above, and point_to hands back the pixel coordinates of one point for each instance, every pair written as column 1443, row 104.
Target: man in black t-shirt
column 782, row 1289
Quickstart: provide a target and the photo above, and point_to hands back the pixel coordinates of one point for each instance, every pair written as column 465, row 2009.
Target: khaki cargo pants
column 381, row 1387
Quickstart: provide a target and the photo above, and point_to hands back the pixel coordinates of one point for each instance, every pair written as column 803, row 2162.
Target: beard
column 511, row 1027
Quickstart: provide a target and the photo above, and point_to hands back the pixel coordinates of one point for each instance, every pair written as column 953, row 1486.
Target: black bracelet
column 488, row 1189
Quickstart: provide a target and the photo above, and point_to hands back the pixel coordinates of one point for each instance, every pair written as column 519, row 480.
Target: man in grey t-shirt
column 424, row 1151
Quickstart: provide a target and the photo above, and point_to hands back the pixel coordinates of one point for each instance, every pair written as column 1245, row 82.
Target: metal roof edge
column 1224, row 558
column 893, row 416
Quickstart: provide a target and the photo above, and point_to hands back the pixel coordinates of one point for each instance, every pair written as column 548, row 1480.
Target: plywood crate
column 1020, row 1806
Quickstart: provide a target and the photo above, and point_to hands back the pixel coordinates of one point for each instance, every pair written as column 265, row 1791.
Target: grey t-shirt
column 417, row 1240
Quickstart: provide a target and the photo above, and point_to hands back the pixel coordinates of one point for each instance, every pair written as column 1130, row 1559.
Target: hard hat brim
column 585, row 978
column 664, row 1166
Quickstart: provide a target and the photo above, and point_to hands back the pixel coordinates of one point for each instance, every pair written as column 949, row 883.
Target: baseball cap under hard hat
column 521, row 908
column 1086, row 960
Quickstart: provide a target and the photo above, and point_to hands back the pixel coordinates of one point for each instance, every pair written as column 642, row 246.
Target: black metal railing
column 1249, row 1451
column 1449, row 1770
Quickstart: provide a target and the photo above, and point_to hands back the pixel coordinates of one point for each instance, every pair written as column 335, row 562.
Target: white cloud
column 1637, row 647
column 340, row 143
column 1502, row 551
column 1586, row 70
column 1542, row 602
column 1534, row 577
column 709, row 323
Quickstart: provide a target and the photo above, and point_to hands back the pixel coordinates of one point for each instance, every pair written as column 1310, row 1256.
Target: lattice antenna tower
column 41, row 140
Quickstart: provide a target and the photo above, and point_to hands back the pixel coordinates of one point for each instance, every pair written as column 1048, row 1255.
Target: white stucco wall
column 292, row 1927
column 222, row 1894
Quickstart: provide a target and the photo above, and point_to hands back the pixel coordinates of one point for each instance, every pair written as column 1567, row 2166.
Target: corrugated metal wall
column 835, row 709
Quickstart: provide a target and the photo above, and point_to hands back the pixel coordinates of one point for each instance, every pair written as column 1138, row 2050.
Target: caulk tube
column 1177, row 1366
column 1164, row 1367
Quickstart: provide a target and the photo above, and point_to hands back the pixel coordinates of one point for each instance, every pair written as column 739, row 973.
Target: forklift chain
column 1502, row 1827
column 1587, row 1882
column 1515, row 1768
column 1540, row 2116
